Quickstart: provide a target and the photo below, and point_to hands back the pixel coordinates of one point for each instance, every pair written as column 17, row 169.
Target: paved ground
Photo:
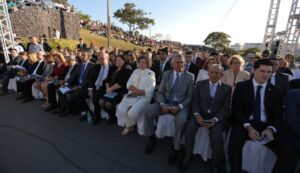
column 32, row 141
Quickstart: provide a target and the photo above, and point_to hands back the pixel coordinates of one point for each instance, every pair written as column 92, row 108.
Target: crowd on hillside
column 194, row 95
column 120, row 34
column 15, row 5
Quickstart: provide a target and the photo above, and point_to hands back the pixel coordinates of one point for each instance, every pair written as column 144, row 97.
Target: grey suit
column 219, row 108
column 184, row 91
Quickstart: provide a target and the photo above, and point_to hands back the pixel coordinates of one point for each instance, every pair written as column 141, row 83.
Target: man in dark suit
column 189, row 66
column 79, row 79
column 173, row 97
column 210, row 106
column 97, row 89
column 82, row 46
column 161, row 66
column 12, row 72
column 257, row 112
column 289, row 138
column 44, row 43
column 72, row 66
column 14, row 60
column 294, row 84
column 278, row 79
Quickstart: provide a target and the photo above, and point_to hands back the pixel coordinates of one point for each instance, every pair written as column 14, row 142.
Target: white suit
column 130, row 108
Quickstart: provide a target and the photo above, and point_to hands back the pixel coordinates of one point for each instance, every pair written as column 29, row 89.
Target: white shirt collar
column 257, row 84
column 176, row 73
column 216, row 84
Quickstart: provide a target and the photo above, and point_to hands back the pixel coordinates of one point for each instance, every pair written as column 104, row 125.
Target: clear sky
column 190, row 21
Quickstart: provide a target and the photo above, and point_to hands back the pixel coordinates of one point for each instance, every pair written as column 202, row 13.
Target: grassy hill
column 99, row 41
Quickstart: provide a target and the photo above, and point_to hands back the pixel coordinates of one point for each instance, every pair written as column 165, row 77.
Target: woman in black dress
column 115, row 88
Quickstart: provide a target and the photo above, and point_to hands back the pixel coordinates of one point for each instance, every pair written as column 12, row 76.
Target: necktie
column 173, row 90
column 99, row 80
column 256, row 108
column 186, row 67
column 69, row 73
column 37, row 67
column 161, row 70
column 212, row 90
column 81, row 72
column 22, row 63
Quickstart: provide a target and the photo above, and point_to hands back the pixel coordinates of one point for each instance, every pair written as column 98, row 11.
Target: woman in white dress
column 140, row 85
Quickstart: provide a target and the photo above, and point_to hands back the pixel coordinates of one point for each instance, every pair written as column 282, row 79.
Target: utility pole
column 150, row 26
column 108, row 25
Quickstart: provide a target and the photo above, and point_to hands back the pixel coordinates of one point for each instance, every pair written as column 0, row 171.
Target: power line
column 227, row 13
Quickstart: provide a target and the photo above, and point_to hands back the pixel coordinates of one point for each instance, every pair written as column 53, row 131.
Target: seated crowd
column 256, row 100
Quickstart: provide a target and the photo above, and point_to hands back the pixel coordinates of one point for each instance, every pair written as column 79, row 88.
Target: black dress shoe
column 173, row 157
column 27, row 100
column 82, row 118
column 183, row 165
column 50, row 108
column 111, row 121
column 20, row 98
column 59, row 111
column 150, row 145
column 2, row 93
column 66, row 113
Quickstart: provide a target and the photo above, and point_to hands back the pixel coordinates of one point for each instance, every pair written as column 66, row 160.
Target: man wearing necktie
column 210, row 107
column 96, row 88
column 257, row 112
column 173, row 97
column 76, row 101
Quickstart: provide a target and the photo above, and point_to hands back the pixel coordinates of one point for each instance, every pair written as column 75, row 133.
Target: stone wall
column 36, row 21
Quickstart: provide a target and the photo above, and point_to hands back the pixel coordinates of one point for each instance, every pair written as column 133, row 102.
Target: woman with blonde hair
column 236, row 73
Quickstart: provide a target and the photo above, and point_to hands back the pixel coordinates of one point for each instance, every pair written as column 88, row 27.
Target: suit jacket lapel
column 251, row 92
column 218, row 91
column 267, row 96
column 181, row 80
column 171, row 77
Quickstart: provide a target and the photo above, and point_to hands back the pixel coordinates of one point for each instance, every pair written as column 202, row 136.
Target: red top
column 59, row 71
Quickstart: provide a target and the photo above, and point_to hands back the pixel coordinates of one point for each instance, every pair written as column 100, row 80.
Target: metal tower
column 271, row 25
column 6, row 33
column 290, row 42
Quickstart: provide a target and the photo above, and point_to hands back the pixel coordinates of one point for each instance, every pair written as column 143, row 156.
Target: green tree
column 61, row 1
column 230, row 51
column 133, row 17
column 83, row 16
column 251, row 50
column 218, row 40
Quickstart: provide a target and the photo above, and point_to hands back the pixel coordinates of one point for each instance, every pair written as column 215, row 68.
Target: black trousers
column 27, row 88
column 64, row 102
column 5, row 78
column 77, row 100
column 96, row 97
column 52, row 94
column 237, row 140
column 288, row 151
